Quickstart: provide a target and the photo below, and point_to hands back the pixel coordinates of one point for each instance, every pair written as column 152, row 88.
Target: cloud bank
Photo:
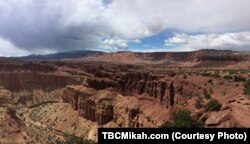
column 43, row 26
column 185, row 42
column 115, row 44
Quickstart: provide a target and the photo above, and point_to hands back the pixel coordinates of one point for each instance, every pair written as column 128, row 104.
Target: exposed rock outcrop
column 217, row 118
column 135, row 84
column 241, row 111
column 138, row 84
column 26, row 66
column 99, row 84
column 5, row 96
column 76, row 96
column 99, row 110
column 166, row 57
column 172, row 93
column 29, row 81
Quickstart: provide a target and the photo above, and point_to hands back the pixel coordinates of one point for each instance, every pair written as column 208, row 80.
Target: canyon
column 44, row 101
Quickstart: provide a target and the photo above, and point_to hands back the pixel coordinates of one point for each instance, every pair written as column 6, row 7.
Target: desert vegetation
column 182, row 119
column 206, row 94
column 247, row 87
column 213, row 105
column 69, row 139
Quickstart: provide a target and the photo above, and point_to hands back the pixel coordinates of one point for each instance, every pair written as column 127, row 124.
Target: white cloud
column 7, row 49
column 177, row 39
column 115, row 43
column 136, row 41
column 139, row 18
column 233, row 41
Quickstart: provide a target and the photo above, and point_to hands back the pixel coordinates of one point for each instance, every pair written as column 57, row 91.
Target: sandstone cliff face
column 39, row 67
column 168, row 92
column 102, row 106
column 220, row 58
column 5, row 96
column 214, row 55
column 155, row 86
column 105, row 112
column 26, row 66
column 76, row 95
column 99, row 84
column 162, row 57
column 127, row 116
column 133, row 83
column 138, row 112
column 99, row 110
column 89, row 110
column 22, row 81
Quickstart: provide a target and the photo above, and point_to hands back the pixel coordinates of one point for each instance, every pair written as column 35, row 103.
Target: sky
column 50, row 26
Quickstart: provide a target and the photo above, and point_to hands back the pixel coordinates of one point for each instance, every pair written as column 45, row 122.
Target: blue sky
column 148, row 43
column 154, row 43
column 45, row 26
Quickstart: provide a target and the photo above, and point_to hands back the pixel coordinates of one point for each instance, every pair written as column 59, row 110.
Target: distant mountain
column 62, row 55
column 205, row 57
column 162, row 57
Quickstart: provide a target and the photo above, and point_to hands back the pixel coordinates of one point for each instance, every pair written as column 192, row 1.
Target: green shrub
column 216, row 75
column 205, row 74
column 228, row 77
column 75, row 140
column 247, row 87
column 167, row 124
column 231, row 72
column 210, row 81
column 239, row 79
column 182, row 119
column 213, row 105
column 207, row 95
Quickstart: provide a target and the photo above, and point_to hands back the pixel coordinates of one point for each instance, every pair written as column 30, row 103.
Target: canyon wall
column 163, row 57
column 102, row 108
column 143, row 83
column 152, row 85
column 30, row 81
column 99, row 110
column 26, row 66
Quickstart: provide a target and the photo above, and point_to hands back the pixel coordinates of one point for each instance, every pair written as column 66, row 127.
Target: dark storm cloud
column 34, row 25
